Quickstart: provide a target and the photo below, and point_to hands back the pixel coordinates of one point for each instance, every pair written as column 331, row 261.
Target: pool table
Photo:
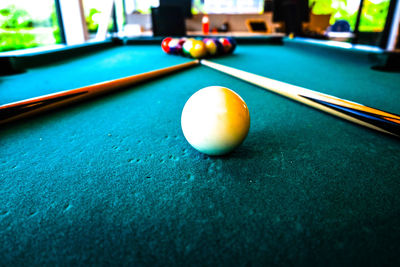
column 113, row 181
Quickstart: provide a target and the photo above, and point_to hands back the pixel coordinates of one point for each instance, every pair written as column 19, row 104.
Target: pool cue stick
column 33, row 106
column 376, row 119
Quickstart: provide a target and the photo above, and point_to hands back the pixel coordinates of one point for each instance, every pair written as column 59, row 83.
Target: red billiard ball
column 165, row 44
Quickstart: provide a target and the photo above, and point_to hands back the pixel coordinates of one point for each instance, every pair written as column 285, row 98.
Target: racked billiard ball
column 187, row 47
column 233, row 44
column 226, row 44
column 180, row 45
column 211, row 46
column 215, row 120
column 174, row 46
column 164, row 44
column 198, row 50
column 220, row 47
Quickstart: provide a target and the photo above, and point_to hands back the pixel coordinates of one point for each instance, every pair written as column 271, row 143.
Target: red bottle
column 206, row 24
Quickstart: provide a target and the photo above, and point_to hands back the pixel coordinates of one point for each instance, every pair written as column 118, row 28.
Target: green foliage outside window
column 18, row 30
column 14, row 18
column 197, row 7
column 17, row 40
column 92, row 19
column 373, row 17
column 92, row 25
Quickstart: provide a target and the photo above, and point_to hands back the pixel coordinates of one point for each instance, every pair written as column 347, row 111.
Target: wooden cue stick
column 366, row 116
column 29, row 107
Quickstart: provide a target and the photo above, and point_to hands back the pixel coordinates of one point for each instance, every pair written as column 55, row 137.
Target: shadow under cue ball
column 215, row 120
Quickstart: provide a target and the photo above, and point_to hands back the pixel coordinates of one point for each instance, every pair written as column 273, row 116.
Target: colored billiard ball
column 211, row 47
column 174, row 47
column 187, row 47
column 226, row 44
column 220, row 47
column 233, row 44
column 215, row 120
column 164, row 44
column 198, row 50
column 180, row 45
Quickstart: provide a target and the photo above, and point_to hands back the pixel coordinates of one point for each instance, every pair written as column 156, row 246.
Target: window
column 24, row 25
column 338, row 9
column 95, row 13
column 228, row 6
column 373, row 15
column 343, row 18
column 140, row 6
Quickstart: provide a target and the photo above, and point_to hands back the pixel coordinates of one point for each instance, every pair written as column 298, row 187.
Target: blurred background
column 28, row 24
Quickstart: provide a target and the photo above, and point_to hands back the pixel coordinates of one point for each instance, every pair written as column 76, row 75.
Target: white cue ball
column 215, row 120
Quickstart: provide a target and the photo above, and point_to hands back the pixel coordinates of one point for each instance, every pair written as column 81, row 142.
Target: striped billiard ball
column 174, row 47
column 187, row 47
column 226, row 44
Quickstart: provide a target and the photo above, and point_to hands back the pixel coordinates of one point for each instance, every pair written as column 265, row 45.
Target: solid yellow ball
column 211, row 46
column 198, row 50
column 215, row 120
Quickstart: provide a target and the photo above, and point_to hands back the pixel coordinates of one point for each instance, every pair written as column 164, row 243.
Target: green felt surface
column 114, row 181
column 97, row 67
